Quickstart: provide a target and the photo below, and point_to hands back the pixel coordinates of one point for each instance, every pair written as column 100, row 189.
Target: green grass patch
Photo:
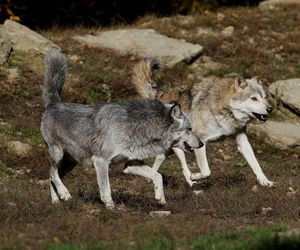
column 7, row 171
column 15, row 61
column 251, row 239
column 159, row 243
column 33, row 135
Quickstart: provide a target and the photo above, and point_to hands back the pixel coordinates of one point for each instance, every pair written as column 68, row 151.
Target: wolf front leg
column 202, row 162
column 159, row 159
column 150, row 173
column 101, row 166
column 246, row 150
column 185, row 169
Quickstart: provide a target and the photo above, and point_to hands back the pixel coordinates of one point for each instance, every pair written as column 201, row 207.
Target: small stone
column 198, row 192
column 220, row 17
column 290, row 233
column 291, row 192
column 159, row 214
column 94, row 212
column 20, row 148
column 228, row 31
column 266, row 210
column 254, row 189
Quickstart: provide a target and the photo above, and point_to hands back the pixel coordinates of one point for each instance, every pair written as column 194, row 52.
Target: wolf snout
column 269, row 110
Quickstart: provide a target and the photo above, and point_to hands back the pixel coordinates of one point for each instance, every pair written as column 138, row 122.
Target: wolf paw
column 199, row 176
column 266, row 183
column 65, row 196
column 162, row 200
column 110, row 205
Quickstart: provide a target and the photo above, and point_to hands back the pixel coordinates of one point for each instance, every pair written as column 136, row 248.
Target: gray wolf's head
column 181, row 130
column 250, row 99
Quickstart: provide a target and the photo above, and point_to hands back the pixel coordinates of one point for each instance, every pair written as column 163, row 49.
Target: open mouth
column 188, row 148
column 260, row 117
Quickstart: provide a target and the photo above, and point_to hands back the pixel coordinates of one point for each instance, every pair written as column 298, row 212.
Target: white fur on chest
column 221, row 126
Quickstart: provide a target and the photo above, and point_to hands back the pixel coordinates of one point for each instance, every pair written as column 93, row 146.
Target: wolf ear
column 261, row 80
column 240, row 83
column 175, row 111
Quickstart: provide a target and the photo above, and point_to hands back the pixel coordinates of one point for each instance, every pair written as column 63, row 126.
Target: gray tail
column 143, row 77
column 56, row 69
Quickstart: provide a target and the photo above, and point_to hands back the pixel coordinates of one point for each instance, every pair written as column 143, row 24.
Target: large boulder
column 24, row 38
column 144, row 43
column 288, row 92
column 282, row 135
column 271, row 4
column 5, row 49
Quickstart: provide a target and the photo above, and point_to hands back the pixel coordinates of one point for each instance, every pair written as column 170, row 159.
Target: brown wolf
column 217, row 108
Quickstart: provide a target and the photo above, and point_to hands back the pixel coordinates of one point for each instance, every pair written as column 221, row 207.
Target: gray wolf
column 101, row 134
column 217, row 108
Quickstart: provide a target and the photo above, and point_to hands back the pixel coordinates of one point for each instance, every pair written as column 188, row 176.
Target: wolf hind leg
column 150, row 173
column 57, row 188
column 101, row 166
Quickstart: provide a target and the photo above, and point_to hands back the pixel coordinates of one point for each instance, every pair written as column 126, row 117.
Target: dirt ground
column 231, row 198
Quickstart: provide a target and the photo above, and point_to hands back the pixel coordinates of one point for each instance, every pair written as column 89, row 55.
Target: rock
column 159, row 214
column 271, row 4
column 5, row 49
column 288, row 92
column 220, row 17
column 293, row 232
column 291, row 192
column 144, row 43
column 266, row 210
column 279, row 134
column 206, row 32
column 19, row 148
column 12, row 74
column 254, row 189
column 228, row 31
column 24, row 38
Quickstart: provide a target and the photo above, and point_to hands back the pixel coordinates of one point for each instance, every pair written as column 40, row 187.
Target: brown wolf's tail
column 143, row 77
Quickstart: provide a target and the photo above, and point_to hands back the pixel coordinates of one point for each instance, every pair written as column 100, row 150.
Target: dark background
column 45, row 13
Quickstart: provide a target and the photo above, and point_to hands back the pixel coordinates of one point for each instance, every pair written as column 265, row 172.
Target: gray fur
column 100, row 134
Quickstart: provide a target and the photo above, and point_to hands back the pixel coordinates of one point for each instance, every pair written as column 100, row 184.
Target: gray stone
column 19, row 148
column 160, row 214
column 293, row 232
column 144, row 43
column 288, row 92
column 5, row 49
column 228, row 31
column 271, row 4
column 24, row 38
column 278, row 134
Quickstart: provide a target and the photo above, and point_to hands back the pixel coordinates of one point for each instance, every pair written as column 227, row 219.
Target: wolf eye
column 253, row 98
column 189, row 129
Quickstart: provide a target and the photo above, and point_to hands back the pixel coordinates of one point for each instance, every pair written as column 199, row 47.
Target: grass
column 258, row 239
column 249, row 239
column 7, row 171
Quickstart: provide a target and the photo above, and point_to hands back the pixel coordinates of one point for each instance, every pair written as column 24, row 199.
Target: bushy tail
column 143, row 77
column 56, row 68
